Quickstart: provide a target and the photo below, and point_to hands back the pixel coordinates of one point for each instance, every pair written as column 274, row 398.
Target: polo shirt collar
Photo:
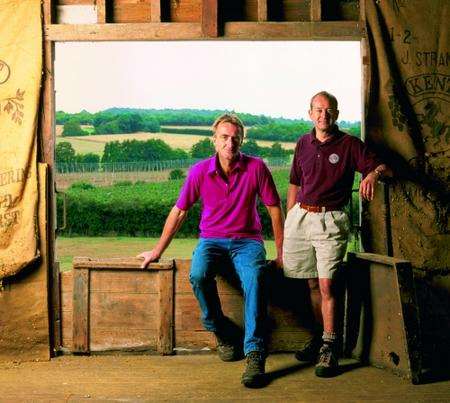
column 213, row 167
column 336, row 134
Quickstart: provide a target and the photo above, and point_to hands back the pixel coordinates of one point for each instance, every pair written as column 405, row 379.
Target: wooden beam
column 48, row 11
column 210, row 18
column 155, row 11
column 125, row 263
column 80, row 321
column 101, row 11
column 330, row 30
column 164, row 343
column 123, row 32
column 316, row 10
column 262, row 10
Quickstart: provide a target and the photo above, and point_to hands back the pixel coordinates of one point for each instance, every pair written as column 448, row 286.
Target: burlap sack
column 20, row 77
column 408, row 114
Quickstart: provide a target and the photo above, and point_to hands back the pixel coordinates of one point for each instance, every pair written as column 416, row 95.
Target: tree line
column 158, row 150
column 129, row 120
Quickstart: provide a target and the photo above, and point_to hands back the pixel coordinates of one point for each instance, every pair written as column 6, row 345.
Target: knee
column 197, row 276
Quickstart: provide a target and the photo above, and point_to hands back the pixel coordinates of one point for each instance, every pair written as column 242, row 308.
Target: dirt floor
column 201, row 378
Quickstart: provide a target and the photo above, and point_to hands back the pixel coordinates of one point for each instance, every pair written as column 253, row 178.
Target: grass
column 99, row 247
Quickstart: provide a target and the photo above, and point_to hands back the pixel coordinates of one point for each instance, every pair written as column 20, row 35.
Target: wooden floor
column 200, row 378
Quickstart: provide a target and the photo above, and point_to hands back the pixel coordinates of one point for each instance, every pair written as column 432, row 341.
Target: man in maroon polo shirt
column 229, row 184
column 316, row 228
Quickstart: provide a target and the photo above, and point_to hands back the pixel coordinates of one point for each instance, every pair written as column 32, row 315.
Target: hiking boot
column 310, row 350
column 328, row 362
column 227, row 350
column 253, row 376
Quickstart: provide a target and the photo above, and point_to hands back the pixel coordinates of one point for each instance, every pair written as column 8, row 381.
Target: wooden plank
column 155, row 10
column 376, row 258
column 113, row 339
column 136, row 12
column 316, row 10
column 166, row 313
column 123, row 32
column 262, row 10
column 331, row 30
column 101, row 11
column 210, row 18
column 48, row 7
column 186, row 11
column 123, row 310
column 120, row 263
column 132, row 282
column 334, row 30
column 80, row 337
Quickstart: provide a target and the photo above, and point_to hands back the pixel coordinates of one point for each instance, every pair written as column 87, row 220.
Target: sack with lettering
column 20, row 77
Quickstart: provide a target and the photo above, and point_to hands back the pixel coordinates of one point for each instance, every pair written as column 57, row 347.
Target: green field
column 98, row 247
column 96, row 143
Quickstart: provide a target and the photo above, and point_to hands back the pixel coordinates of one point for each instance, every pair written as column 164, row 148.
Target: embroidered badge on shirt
column 333, row 158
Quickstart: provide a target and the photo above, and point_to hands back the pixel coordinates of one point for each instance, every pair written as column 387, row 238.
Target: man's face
column 323, row 113
column 227, row 141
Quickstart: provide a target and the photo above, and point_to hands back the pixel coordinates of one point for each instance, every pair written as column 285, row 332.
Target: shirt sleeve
column 190, row 192
column 296, row 170
column 267, row 190
column 364, row 159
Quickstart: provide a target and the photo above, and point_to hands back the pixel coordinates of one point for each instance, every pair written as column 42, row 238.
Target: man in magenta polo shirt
column 228, row 185
column 316, row 228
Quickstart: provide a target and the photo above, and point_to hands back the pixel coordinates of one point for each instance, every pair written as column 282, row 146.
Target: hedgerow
column 138, row 210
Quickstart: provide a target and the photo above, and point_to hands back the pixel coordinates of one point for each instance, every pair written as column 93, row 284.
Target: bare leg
column 328, row 304
column 316, row 300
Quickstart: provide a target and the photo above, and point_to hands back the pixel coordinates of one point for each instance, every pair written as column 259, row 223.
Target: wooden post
column 262, row 10
column 155, row 11
column 166, row 312
column 316, row 10
column 101, row 11
column 46, row 155
column 210, row 18
column 80, row 311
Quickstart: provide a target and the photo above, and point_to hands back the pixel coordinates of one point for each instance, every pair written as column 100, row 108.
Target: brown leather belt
column 316, row 209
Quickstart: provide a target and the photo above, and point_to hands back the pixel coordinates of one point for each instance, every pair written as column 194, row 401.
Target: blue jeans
column 248, row 258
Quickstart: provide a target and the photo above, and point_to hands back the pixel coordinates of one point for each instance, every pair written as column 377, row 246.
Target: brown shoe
column 226, row 349
column 254, row 374
column 327, row 366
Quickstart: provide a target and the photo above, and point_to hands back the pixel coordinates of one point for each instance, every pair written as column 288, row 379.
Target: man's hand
column 367, row 186
column 149, row 256
column 278, row 262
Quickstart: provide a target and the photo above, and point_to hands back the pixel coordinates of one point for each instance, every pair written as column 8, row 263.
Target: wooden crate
column 112, row 304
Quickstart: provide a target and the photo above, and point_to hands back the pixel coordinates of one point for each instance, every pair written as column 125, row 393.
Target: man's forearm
column 173, row 223
column 277, row 218
column 291, row 196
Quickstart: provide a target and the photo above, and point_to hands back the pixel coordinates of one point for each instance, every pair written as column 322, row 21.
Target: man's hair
column 229, row 118
column 327, row 95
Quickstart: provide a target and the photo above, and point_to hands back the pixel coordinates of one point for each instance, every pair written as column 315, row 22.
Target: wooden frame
column 84, row 268
column 381, row 319
column 208, row 28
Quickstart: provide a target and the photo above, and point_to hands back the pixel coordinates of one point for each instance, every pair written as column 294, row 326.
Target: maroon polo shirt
column 325, row 171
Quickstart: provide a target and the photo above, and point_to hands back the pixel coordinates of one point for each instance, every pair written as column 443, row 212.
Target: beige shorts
column 314, row 243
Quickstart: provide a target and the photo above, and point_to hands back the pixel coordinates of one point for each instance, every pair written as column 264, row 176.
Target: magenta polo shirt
column 229, row 208
column 325, row 171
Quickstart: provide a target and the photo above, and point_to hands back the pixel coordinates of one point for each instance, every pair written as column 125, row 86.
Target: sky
column 274, row 78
